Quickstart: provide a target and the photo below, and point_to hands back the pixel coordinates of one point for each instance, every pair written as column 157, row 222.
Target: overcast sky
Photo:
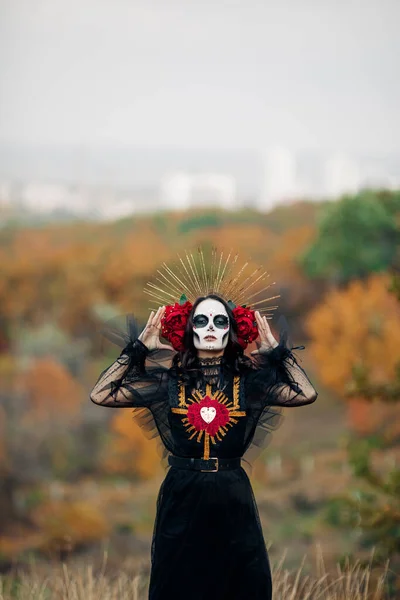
column 201, row 73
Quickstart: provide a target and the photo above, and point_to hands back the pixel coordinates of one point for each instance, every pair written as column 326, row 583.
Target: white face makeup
column 210, row 325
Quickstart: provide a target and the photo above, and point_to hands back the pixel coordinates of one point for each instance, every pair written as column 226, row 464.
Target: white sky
column 201, row 73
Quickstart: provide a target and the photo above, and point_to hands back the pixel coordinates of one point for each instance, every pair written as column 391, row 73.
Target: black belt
column 204, row 464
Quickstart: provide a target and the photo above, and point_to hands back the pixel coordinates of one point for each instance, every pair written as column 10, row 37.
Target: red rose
column 176, row 339
column 246, row 324
column 173, row 323
column 176, row 316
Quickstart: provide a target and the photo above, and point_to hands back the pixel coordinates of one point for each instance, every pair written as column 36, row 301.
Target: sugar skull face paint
column 210, row 325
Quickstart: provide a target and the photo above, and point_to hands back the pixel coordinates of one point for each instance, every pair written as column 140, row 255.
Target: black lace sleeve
column 138, row 377
column 277, row 379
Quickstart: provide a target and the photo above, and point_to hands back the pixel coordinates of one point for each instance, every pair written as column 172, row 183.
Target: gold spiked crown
column 194, row 276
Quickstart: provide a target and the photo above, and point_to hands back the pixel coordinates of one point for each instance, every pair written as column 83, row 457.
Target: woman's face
column 210, row 326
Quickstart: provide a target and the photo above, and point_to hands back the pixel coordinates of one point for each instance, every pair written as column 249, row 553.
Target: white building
column 5, row 194
column 342, row 175
column 280, row 177
column 47, row 197
column 377, row 174
column 183, row 190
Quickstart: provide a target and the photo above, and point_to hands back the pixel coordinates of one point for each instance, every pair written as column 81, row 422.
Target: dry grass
column 352, row 582
column 85, row 583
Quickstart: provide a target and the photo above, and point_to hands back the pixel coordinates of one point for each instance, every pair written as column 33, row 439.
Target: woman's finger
column 146, row 327
column 268, row 329
column 266, row 325
column 157, row 313
column 155, row 318
column 160, row 315
column 260, row 325
column 149, row 320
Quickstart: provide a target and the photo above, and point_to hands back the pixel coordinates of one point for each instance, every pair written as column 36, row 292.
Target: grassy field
column 77, row 581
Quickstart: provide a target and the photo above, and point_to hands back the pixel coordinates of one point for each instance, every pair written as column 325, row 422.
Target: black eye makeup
column 220, row 321
column 200, row 321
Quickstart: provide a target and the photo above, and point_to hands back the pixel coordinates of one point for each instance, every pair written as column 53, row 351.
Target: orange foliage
column 60, row 272
column 40, row 399
column 285, row 269
column 358, row 326
column 51, row 391
column 364, row 417
column 291, row 244
column 248, row 239
column 128, row 267
column 129, row 451
column 74, row 522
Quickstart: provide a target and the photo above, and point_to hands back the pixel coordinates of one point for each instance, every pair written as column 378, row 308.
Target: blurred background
column 131, row 130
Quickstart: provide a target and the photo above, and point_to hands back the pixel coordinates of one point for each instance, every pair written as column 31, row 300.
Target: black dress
column 207, row 540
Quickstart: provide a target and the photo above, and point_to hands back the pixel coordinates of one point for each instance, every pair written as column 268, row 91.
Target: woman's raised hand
column 150, row 335
column 266, row 337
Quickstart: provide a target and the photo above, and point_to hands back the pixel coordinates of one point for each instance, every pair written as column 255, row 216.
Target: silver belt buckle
column 211, row 470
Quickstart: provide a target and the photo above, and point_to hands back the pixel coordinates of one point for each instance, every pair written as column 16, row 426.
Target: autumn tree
column 129, row 452
column 377, row 508
column 57, row 273
column 355, row 344
column 356, row 330
column 40, row 404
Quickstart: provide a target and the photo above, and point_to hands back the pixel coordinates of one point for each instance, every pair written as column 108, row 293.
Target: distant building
column 377, row 174
column 185, row 190
column 83, row 201
column 220, row 181
column 140, row 200
column 280, row 178
column 342, row 176
column 47, row 197
column 5, row 194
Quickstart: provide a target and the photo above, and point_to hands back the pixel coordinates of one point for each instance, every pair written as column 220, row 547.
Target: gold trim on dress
column 220, row 397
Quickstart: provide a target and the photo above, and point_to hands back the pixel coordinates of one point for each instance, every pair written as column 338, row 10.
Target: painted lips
column 210, row 338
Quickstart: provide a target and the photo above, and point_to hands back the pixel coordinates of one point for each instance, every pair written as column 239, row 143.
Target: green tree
column 357, row 235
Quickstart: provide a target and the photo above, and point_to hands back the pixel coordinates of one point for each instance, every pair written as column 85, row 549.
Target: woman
column 213, row 408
